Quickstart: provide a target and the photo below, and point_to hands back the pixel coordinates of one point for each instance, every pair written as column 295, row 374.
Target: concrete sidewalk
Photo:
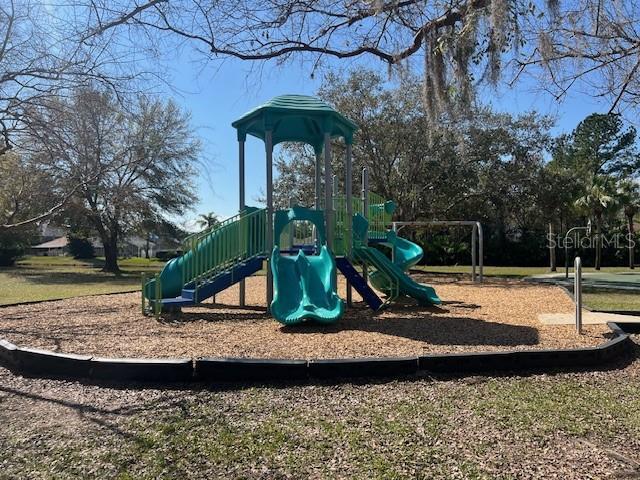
column 588, row 318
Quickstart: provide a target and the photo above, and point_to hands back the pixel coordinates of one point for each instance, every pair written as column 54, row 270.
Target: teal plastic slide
column 305, row 286
column 205, row 254
column 171, row 274
column 406, row 254
column 424, row 294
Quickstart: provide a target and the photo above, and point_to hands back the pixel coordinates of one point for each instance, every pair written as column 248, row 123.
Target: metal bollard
column 577, row 292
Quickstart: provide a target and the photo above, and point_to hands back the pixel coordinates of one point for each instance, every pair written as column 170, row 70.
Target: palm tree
column 629, row 198
column 595, row 202
column 208, row 220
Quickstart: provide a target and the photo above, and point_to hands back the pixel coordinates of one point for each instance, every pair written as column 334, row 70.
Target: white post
column 242, row 293
column 481, row 251
column 328, row 200
column 474, row 232
column 268, row 140
column 394, row 227
column 577, row 293
column 292, row 203
column 334, row 189
column 348, row 186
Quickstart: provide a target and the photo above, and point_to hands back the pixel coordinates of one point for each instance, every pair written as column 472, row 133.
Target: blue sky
column 219, row 93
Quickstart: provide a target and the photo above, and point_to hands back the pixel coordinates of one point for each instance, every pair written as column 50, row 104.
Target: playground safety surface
column 495, row 316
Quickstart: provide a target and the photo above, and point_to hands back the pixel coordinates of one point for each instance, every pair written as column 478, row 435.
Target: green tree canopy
column 599, row 145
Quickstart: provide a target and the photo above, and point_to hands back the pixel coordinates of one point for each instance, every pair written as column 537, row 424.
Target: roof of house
column 60, row 242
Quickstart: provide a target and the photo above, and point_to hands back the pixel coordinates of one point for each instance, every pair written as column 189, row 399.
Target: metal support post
column 474, row 233
column 328, row 195
column 481, row 251
column 269, row 147
column 365, row 212
column 577, row 293
column 242, row 293
column 348, row 186
column 318, row 187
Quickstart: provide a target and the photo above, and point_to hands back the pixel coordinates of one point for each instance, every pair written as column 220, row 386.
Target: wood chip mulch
column 489, row 317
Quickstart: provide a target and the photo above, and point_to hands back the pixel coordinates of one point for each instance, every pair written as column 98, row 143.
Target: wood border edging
column 45, row 364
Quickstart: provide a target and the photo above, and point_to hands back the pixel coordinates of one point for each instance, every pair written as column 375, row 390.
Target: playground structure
column 496, row 329
column 301, row 277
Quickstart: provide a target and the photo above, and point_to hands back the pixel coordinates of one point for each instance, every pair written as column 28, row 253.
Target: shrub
column 167, row 254
column 13, row 244
column 80, row 247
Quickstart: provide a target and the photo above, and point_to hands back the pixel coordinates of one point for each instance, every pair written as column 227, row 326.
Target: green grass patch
column 290, row 441
column 23, row 284
column 473, row 427
column 51, row 278
column 98, row 262
column 572, row 406
column 629, row 301
column 374, row 431
column 506, row 272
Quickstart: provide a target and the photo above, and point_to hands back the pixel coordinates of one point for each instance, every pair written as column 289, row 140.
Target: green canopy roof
column 295, row 118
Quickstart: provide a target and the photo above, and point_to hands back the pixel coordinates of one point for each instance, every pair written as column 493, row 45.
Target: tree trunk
column 552, row 248
column 631, row 242
column 598, row 238
column 146, row 249
column 111, row 254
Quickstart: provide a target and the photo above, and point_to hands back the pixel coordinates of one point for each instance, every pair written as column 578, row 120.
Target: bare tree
column 460, row 43
column 18, row 180
column 591, row 43
column 132, row 164
column 42, row 57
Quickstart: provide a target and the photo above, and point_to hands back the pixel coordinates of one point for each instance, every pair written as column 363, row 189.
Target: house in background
column 166, row 248
column 129, row 247
column 54, row 243
column 57, row 247
column 133, row 247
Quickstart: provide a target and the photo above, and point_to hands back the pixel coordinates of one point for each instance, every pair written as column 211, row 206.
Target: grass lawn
column 612, row 300
column 49, row 278
column 508, row 272
column 98, row 262
column 602, row 300
column 570, row 426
